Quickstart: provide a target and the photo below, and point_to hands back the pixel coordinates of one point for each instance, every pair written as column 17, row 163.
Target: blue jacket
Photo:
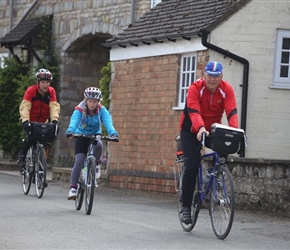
column 91, row 124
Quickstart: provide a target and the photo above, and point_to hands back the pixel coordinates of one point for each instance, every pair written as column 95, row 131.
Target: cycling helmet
column 93, row 93
column 43, row 74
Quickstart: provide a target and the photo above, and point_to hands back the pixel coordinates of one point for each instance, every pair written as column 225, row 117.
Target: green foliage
column 11, row 78
column 105, row 87
column 105, row 84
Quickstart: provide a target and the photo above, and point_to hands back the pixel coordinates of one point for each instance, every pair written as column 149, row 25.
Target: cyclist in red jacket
column 207, row 100
column 39, row 104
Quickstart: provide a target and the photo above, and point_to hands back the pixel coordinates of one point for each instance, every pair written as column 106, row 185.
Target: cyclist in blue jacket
column 87, row 118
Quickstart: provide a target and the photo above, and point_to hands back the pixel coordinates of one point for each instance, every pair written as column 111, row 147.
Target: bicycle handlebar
column 97, row 137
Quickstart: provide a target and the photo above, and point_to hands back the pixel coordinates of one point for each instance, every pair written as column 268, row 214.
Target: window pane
column 286, row 43
column 188, row 64
column 192, row 78
column 184, row 64
column 285, row 57
column 284, row 71
column 193, row 64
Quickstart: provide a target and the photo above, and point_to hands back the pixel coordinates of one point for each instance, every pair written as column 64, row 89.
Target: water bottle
column 98, row 171
column 84, row 170
column 205, row 179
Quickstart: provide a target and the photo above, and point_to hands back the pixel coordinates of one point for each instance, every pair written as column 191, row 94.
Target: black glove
column 55, row 123
column 116, row 137
column 27, row 127
column 68, row 135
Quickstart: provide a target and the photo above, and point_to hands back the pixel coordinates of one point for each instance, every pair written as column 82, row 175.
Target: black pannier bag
column 43, row 132
column 226, row 140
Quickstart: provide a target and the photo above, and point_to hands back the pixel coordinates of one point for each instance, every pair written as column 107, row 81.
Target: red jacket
column 202, row 108
column 39, row 108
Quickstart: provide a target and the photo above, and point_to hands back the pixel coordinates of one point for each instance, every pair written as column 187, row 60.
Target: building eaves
column 176, row 19
column 23, row 32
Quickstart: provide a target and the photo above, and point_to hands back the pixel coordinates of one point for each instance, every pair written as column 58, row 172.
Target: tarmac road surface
column 121, row 219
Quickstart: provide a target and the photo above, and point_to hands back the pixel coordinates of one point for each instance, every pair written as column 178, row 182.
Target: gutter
column 204, row 35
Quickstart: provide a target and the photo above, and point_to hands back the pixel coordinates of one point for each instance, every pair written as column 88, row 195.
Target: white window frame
column 278, row 81
column 155, row 2
column 187, row 76
column 2, row 56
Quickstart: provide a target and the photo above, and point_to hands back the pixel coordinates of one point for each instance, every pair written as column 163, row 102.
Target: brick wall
column 143, row 94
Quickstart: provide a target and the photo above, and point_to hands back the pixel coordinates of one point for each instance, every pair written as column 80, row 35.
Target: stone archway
column 81, row 65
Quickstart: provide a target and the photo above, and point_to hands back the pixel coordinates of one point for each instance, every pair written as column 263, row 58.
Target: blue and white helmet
column 93, row 93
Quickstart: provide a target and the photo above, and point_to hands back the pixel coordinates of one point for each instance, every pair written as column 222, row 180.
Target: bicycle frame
column 212, row 179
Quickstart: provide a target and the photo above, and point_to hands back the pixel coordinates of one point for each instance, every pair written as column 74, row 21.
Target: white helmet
column 93, row 93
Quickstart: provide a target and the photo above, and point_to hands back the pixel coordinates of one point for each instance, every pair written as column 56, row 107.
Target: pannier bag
column 226, row 140
column 43, row 132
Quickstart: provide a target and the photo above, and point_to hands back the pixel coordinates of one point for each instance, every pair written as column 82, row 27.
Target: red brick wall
column 144, row 91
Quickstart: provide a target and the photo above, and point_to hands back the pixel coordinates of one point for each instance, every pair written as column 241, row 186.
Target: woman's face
column 92, row 103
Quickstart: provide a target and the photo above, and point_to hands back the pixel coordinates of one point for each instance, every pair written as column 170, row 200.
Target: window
column 155, row 2
column 2, row 56
column 187, row 76
column 282, row 62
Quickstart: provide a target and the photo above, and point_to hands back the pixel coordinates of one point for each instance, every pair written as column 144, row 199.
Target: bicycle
column 214, row 191
column 36, row 157
column 87, row 180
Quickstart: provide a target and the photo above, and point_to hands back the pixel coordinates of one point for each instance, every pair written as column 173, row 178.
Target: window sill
column 177, row 108
column 279, row 87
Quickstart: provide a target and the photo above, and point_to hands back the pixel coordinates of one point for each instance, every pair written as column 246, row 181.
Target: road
column 121, row 220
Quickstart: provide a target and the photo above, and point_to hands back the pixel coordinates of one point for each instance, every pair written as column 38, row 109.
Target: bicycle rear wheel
column 28, row 173
column 40, row 171
column 194, row 206
column 90, row 188
column 222, row 203
column 80, row 195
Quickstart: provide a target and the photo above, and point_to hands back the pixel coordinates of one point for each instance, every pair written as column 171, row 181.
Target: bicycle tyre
column 90, row 187
column 40, row 171
column 194, row 207
column 222, row 203
column 27, row 175
column 80, row 195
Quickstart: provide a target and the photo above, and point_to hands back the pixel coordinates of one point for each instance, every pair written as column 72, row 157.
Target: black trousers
column 191, row 149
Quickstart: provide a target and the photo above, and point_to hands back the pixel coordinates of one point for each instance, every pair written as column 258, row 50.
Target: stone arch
column 82, row 62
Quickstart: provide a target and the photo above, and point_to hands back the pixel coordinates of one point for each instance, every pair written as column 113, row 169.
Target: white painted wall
column 251, row 34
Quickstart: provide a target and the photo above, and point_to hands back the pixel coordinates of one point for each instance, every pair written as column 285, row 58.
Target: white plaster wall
column 251, row 34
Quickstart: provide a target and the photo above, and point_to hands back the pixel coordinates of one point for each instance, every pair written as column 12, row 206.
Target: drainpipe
column 132, row 14
column 204, row 35
column 10, row 21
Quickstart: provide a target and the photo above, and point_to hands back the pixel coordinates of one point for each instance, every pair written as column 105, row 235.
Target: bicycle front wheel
column 90, row 187
column 28, row 173
column 222, row 203
column 40, row 171
column 80, row 195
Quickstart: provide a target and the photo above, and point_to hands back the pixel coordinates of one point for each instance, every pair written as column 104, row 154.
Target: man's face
column 212, row 82
column 43, row 85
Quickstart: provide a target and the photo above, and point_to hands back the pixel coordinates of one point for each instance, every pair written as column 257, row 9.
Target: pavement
column 12, row 168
